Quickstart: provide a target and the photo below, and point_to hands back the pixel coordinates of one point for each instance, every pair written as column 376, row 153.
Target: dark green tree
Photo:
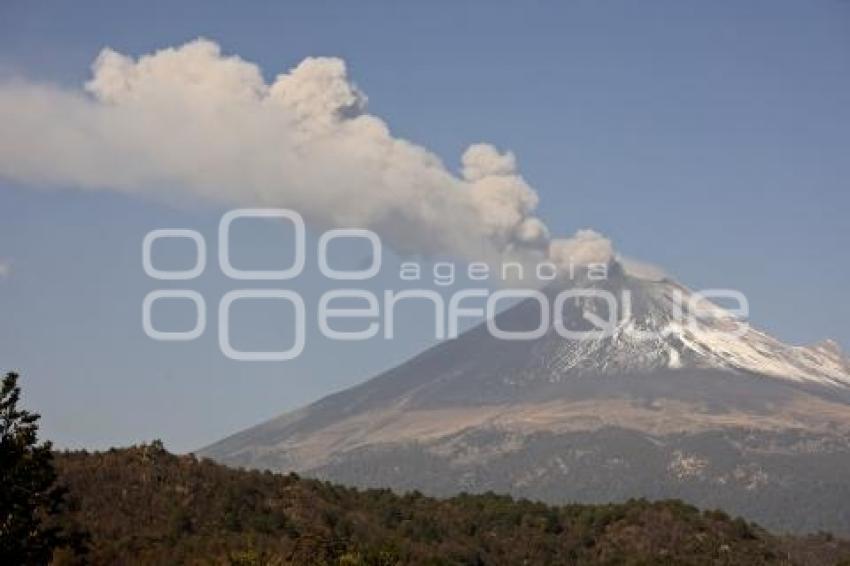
column 31, row 501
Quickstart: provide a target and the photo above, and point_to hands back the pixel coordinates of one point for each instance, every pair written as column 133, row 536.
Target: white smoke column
column 587, row 246
column 188, row 123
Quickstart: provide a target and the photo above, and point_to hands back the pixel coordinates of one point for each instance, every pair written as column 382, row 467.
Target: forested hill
column 144, row 505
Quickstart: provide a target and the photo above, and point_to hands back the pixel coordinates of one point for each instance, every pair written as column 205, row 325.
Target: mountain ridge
column 142, row 505
column 475, row 409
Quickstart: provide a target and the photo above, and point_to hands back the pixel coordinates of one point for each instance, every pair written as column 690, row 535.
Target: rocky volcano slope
column 659, row 408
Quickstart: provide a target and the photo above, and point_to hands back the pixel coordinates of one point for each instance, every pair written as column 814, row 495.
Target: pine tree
column 31, row 501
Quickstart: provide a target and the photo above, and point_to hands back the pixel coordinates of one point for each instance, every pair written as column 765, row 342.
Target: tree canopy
column 32, row 503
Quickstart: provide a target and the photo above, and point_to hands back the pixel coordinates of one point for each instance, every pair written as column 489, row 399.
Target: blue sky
column 708, row 137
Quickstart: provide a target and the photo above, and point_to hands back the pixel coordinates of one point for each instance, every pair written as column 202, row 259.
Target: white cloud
column 641, row 269
column 5, row 268
column 188, row 124
column 586, row 246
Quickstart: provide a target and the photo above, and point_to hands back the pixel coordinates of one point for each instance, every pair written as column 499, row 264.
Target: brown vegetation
column 144, row 505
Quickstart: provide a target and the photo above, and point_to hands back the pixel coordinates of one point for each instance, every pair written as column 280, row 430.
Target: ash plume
column 190, row 124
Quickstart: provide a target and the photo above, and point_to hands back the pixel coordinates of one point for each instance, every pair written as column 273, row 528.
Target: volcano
column 709, row 412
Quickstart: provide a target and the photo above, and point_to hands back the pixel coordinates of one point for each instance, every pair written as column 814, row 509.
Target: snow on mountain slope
column 654, row 356
column 652, row 334
column 658, row 408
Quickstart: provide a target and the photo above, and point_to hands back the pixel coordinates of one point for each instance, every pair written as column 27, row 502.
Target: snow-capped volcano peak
column 662, row 324
column 565, row 417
